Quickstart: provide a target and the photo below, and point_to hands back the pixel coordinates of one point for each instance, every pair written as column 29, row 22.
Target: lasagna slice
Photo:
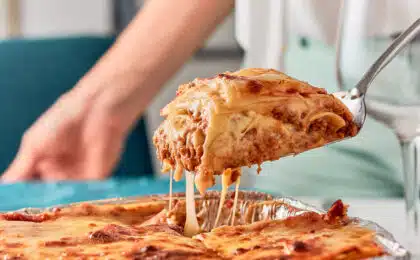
column 243, row 118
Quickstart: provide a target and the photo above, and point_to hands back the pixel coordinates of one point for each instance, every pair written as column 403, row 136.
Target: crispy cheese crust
column 306, row 236
column 138, row 231
column 146, row 231
column 243, row 118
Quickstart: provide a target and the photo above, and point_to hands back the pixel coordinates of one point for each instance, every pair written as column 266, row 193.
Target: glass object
column 393, row 98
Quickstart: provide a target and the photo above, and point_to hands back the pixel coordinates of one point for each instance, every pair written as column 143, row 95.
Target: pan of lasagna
column 250, row 225
column 213, row 127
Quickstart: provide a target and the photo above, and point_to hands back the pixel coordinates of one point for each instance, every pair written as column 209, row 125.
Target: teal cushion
column 34, row 73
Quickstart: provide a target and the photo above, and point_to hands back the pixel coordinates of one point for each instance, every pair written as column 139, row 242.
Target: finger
column 53, row 170
column 22, row 168
column 102, row 157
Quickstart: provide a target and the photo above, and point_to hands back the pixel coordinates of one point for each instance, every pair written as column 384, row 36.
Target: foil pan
column 251, row 207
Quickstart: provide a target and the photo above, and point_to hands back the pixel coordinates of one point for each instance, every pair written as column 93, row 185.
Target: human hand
column 75, row 139
column 80, row 137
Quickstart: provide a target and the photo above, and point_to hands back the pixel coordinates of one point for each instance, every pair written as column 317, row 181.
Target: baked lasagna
column 151, row 231
column 243, row 118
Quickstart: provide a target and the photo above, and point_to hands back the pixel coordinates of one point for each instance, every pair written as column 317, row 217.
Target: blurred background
column 47, row 45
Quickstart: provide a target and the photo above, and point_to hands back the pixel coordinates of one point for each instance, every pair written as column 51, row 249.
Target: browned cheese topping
column 149, row 231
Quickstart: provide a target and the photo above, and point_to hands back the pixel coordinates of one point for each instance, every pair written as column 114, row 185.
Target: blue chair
column 34, row 73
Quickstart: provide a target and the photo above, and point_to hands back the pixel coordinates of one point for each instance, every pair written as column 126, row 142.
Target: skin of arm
column 82, row 135
column 151, row 49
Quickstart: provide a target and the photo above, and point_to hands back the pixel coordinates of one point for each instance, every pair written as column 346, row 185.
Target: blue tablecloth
column 38, row 195
column 21, row 195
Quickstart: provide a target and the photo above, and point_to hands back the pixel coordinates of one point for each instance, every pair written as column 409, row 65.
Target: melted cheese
column 335, row 120
column 166, row 166
column 170, row 189
column 226, row 131
column 275, row 238
column 178, row 172
column 191, row 227
column 224, row 106
column 231, row 105
column 72, row 234
column 204, row 181
column 235, row 201
column 226, row 179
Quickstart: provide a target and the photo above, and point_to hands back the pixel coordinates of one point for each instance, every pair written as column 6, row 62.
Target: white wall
column 44, row 18
column 223, row 37
column 65, row 17
column 3, row 19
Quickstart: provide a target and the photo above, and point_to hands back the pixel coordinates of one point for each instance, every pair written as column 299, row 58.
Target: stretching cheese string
column 171, row 173
column 226, row 177
column 235, row 201
column 191, row 227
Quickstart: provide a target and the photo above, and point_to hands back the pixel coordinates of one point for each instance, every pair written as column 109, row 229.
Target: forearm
column 155, row 44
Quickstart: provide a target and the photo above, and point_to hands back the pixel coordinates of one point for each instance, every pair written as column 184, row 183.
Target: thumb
column 22, row 168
